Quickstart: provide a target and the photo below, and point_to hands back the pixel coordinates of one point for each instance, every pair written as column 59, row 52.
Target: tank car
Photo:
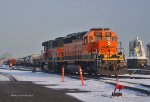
column 29, row 61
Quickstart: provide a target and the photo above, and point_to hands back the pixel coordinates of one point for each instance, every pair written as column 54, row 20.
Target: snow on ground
column 97, row 90
column 4, row 66
column 3, row 78
column 132, row 82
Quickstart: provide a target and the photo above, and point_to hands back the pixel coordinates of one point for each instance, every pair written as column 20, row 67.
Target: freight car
column 29, row 61
column 11, row 62
column 96, row 51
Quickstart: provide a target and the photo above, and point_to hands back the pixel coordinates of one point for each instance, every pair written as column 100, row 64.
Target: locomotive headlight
column 108, row 43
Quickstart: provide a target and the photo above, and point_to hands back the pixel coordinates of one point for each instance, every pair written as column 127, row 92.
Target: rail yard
column 83, row 66
column 74, row 51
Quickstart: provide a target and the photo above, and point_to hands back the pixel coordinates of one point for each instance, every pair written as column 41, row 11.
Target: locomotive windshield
column 98, row 36
column 114, row 38
column 107, row 36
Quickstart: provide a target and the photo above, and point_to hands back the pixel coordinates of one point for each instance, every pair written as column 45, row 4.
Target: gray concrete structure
column 148, row 53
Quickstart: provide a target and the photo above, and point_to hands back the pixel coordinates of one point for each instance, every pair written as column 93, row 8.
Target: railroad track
column 10, row 77
column 145, row 90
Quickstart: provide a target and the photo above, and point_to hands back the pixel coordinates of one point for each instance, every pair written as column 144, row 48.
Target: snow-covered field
column 98, row 91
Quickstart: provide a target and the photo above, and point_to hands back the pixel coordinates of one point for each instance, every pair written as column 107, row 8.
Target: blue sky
column 25, row 24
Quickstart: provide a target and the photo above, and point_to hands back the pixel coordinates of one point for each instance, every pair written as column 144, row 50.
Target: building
column 137, row 56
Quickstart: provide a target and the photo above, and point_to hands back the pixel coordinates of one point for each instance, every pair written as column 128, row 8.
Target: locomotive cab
column 101, row 41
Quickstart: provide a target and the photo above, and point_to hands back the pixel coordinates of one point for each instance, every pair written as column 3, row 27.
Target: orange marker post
column 81, row 77
column 63, row 74
column 117, row 87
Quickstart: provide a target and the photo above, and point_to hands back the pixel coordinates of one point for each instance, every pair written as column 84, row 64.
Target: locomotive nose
column 112, row 67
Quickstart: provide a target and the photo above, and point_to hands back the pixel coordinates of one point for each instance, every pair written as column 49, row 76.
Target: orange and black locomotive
column 96, row 51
